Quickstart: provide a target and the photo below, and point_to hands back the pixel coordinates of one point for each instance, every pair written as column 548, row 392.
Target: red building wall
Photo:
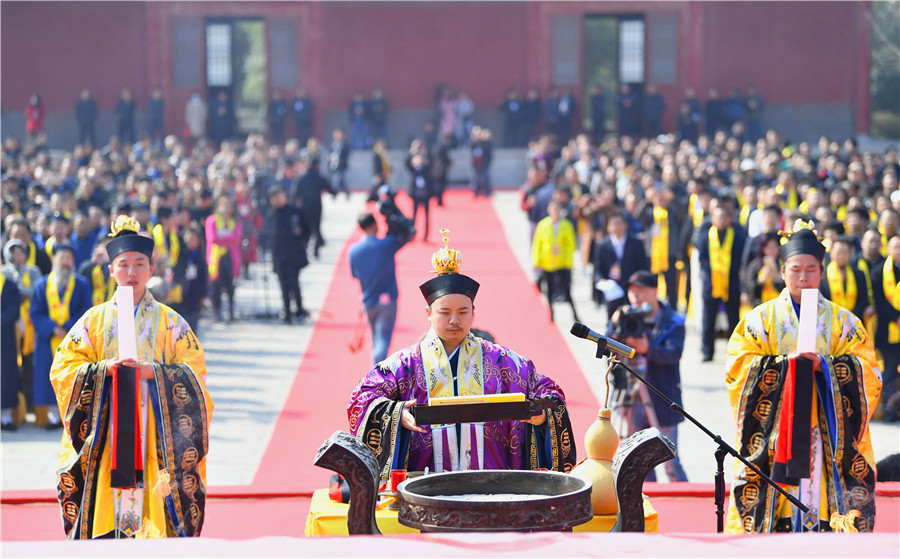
column 409, row 48
column 56, row 48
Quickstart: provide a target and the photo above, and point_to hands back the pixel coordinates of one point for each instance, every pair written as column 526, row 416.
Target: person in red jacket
column 34, row 116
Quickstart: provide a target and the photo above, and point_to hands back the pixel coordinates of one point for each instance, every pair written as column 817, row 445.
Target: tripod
column 624, row 400
column 720, row 453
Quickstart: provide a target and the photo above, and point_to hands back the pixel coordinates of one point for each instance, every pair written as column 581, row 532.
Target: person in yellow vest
column 174, row 411
column 170, row 254
column 719, row 254
column 16, row 269
column 885, row 288
column 870, row 259
column 888, row 223
column 552, row 254
column 843, row 284
column 59, row 299
column 802, row 417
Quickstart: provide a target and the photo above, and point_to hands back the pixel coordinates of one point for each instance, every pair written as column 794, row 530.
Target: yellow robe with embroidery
column 164, row 337
column 771, row 330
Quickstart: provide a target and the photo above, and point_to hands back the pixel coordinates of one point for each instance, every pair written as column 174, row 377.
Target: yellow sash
column 790, row 202
column 745, row 214
column 696, row 210
column 48, row 247
column 892, row 294
column 102, row 289
column 840, row 213
column 172, row 249
column 218, row 251
column 659, row 245
column 768, row 289
column 32, row 250
column 840, row 296
column 26, row 334
column 720, row 262
column 59, row 310
column 884, row 240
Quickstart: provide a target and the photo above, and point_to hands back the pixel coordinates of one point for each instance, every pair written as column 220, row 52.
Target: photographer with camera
column 656, row 332
column 372, row 262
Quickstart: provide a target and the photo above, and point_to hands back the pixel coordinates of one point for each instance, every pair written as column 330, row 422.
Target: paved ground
column 268, row 353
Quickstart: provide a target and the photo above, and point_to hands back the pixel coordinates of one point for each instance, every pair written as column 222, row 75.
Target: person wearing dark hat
column 287, row 230
column 21, row 229
column 657, row 355
column 60, row 229
column 58, row 300
column 171, row 412
column 450, row 361
column 802, row 417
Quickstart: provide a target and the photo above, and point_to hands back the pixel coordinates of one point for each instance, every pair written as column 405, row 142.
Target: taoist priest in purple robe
column 451, row 361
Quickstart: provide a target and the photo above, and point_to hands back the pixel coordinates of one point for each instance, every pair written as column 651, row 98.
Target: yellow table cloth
column 328, row 518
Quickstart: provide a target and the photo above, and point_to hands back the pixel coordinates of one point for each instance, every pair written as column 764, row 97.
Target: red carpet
column 508, row 305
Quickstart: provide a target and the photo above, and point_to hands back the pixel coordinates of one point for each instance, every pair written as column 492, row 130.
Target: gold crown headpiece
column 124, row 223
column 446, row 260
column 799, row 225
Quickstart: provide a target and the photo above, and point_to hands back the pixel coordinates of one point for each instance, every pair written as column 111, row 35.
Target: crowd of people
column 670, row 206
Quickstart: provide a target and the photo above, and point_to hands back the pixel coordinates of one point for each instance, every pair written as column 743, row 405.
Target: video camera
column 398, row 224
column 632, row 321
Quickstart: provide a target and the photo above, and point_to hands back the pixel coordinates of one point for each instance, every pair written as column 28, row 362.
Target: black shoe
column 287, row 320
column 707, row 358
column 8, row 427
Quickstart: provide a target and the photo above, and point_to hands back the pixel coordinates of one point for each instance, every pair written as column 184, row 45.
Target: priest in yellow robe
column 802, row 418
column 174, row 411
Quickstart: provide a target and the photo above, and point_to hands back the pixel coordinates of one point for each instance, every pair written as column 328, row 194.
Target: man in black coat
column 616, row 258
column 302, row 109
column 86, row 114
column 9, row 366
column 420, row 187
column 221, row 118
column 884, row 292
column 653, row 111
column 722, row 227
column 288, row 233
column 125, row 110
column 156, row 116
column 277, row 115
column 627, row 103
column 598, row 113
column 306, row 193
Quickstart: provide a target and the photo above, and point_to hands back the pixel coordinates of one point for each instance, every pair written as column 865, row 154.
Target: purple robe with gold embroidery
column 376, row 403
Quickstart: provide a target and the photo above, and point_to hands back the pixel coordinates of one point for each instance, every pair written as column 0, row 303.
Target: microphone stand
column 723, row 448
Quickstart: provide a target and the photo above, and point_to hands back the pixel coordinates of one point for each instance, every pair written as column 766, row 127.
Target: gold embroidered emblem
column 862, row 524
column 180, row 395
column 750, row 495
column 189, row 459
column 762, row 411
column 859, row 495
column 195, row 515
column 768, row 381
column 67, row 484
column 83, row 429
column 848, row 407
column 751, row 476
column 566, row 443
column 756, row 443
column 185, row 425
column 859, row 468
column 373, row 439
column 86, row 396
column 748, row 524
column 70, row 511
column 189, row 485
column 843, row 373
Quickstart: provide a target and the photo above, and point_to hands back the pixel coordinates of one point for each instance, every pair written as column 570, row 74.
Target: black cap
column 446, row 284
column 63, row 247
column 59, row 216
column 803, row 241
column 644, row 278
column 163, row 212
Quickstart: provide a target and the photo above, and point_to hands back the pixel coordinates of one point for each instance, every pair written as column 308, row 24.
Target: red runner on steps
column 508, row 306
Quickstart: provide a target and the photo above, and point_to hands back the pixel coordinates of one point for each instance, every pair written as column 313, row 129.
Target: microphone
column 582, row 331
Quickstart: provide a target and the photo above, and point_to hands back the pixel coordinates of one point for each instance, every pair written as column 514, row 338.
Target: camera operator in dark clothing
column 288, row 233
column 309, row 188
column 656, row 332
